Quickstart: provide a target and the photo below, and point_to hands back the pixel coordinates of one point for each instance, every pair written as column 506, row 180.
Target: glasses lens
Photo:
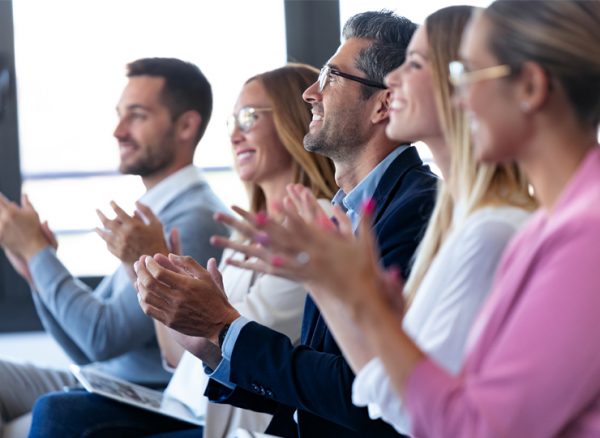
column 457, row 71
column 245, row 119
column 323, row 75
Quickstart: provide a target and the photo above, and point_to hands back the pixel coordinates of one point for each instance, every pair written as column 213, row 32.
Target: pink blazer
column 534, row 369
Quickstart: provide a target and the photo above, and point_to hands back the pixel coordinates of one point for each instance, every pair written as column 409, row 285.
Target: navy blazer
column 274, row 376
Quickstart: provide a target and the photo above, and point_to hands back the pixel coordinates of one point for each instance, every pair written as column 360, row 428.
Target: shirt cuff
column 222, row 372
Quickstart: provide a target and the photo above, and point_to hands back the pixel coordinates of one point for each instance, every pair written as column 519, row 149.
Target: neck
column 350, row 172
column 551, row 159
column 155, row 178
column 275, row 190
column 441, row 154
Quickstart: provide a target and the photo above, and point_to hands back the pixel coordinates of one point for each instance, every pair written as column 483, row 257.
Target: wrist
column 32, row 248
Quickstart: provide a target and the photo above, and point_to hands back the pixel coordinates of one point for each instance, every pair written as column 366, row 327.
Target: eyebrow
column 133, row 107
column 416, row 52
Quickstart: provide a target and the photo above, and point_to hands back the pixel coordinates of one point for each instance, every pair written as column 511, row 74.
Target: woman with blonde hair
column 266, row 130
column 479, row 208
column 529, row 80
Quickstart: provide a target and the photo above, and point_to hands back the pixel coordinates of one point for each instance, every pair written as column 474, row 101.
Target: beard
column 150, row 158
column 340, row 137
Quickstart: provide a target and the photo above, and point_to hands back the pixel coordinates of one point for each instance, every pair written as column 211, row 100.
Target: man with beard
column 163, row 113
column 308, row 387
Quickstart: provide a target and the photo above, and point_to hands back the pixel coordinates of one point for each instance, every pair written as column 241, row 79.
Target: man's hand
column 128, row 237
column 21, row 231
column 183, row 295
column 20, row 264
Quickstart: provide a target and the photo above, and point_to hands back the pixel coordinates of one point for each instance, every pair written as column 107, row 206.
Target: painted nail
column 261, row 238
column 335, row 221
column 368, row 206
column 260, row 218
column 277, row 261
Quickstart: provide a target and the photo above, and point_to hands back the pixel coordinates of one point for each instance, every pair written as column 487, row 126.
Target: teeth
column 317, row 117
column 244, row 155
column 396, row 104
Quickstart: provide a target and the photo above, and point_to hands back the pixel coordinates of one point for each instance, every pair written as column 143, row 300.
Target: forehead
column 473, row 46
column 347, row 53
column 142, row 90
column 418, row 42
column 253, row 94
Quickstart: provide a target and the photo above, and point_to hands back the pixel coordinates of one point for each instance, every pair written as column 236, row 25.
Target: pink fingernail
column 260, row 218
column 394, row 272
column 368, row 206
column 325, row 222
column 262, row 238
column 277, row 261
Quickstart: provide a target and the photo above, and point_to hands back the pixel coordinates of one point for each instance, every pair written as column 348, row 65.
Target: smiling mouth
column 245, row 154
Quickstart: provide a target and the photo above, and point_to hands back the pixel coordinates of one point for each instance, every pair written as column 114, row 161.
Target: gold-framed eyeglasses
column 244, row 119
column 460, row 76
column 328, row 71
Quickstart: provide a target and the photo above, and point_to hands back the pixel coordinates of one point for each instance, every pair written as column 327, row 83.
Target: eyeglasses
column 327, row 71
column 459, row 76
column 244, row 119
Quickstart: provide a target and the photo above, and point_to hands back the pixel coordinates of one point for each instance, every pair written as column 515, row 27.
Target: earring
column 524, row 106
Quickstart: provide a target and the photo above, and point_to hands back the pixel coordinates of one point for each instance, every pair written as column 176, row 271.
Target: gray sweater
column 107, row 325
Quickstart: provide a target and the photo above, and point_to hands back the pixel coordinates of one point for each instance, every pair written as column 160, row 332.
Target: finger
column 121, row 214
column 189, row 265
column 26, row 203
column 165, row 262
column 105, row 235
column 151, row 290
column 174, row 241
column 147, row 214
column 342, row 220
column 4, row 201
column 49, row 235
column 279, row 269
column 243, row 227
column 214, row 272
column 106, row 222
column 366, row 238
column 244, row 248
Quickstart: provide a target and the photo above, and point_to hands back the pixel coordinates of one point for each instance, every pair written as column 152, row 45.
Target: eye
column 415, row 65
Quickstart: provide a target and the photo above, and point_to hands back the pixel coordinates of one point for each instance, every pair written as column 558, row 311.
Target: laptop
column 106, row 385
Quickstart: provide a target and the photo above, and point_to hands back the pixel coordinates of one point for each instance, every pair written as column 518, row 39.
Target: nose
column 393, row 78
column 236, row 136
column 120, row 131
column 312, row 93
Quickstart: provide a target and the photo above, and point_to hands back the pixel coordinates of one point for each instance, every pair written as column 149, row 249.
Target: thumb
column 174, row 241
column 49, row 235
column 146, row 213
column 215, row 274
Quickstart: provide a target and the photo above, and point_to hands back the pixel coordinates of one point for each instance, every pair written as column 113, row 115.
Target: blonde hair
column 472, row 184
column 292, row 116
column 561, row 36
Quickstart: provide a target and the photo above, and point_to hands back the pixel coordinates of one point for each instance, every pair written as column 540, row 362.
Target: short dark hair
column 185, row 89
column 390, row 34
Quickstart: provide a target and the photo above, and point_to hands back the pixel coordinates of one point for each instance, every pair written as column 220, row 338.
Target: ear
column 187, row 125
column 534, row 89
column 381, row 108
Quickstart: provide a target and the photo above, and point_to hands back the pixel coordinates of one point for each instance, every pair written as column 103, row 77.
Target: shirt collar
column 159, row 196
column 365, row 189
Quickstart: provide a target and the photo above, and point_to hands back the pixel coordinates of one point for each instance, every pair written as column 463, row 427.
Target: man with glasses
column 162, row 115
column 308, row 387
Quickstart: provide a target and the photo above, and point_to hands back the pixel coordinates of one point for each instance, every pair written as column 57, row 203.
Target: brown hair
column 292, row 116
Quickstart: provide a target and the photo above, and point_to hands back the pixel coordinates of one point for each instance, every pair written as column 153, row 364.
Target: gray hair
column 390, row 34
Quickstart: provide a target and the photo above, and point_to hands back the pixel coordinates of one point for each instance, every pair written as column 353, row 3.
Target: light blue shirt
column 351, row 203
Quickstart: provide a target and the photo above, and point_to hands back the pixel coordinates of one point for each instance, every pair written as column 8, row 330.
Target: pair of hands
column 22, row 234
column 312, row 248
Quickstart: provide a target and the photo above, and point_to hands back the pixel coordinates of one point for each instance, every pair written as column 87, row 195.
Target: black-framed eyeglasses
column 244, row 119
column 327, row 71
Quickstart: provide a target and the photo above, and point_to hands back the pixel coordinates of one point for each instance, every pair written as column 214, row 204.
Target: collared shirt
column 161, row 195
column 351, row 203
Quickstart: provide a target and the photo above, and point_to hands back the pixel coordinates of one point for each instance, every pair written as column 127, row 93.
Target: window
column 70, row 62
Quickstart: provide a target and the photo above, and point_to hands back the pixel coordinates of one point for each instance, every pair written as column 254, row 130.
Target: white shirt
column 447, row 302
